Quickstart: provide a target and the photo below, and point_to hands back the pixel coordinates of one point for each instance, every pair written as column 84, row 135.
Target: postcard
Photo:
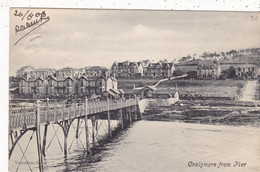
column 133, row 90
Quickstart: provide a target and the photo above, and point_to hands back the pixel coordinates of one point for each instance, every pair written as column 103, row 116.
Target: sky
column 80, row 38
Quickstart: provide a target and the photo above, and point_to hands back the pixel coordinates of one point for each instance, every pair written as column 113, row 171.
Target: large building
column 89, row 85
column 35, row 86
column 160, row 70
column 61, row 85
column 56, row 86
column 208, row 70
column 66, row 81
column 65, row 72
column 24, row 71
column 246, row 70
column 128, row 69
column 97, row 71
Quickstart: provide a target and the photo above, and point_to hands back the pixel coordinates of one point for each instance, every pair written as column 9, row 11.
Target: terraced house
column 35, row 86
column 61, row 85
column 127, row 69
column 246, row 70
column 97, row 71
column 208, row 70
column 89, row 85
column 160, row 70
column 42, row 72
column 65, row 72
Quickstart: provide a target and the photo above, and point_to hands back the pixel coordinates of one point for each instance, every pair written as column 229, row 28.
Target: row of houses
column 147, row 69
column 209, row 69
column 68, row 85
column 29, row 72
column 66, row 81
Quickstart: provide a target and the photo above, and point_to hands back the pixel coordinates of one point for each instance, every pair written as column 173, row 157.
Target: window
column 81, row 83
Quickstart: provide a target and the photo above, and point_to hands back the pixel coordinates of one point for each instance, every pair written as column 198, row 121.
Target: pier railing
column 26, row 117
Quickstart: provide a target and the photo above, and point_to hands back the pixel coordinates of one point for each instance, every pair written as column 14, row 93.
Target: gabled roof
column 83, row 77
column 115, row 91
column 95, row 68
column 208, row 64
column 35, row 79
column 133, row 64
column 115, row 64
column 60, row 78
column 111, row 93
column 152, row 65
column 22, row 78
column 66, row 68
column 121, row 91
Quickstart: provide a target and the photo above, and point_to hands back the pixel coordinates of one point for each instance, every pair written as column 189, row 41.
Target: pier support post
column 44, row 139
column 121, row 114
column 77, row 130
column 136, row 104
column 38, row 137
column 108, row 119
column 93, row 120
column 86, row 124
column 65, row 138
column 65, row 125
column 130, row 115
column 127, row 117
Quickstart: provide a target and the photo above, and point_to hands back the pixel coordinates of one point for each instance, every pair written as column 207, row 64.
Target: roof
column 115, row 91
column 111, row 93
column 165, row 91
column 84, row 77
column 163, row 65
column 208, row 64
column 60, row 78
column 121, row 91
column 34, row 79
column 13, row 89
column 95, row 68
column 66, row 68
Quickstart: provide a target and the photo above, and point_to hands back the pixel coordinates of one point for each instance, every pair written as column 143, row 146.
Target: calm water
column 151, row 146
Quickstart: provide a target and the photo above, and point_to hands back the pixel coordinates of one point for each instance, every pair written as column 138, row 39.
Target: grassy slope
column 205, row 88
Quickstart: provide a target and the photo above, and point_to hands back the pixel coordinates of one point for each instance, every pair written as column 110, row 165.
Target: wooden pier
column 23, row 119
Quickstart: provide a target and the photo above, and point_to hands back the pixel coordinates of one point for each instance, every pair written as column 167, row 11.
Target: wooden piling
column 38, row 137
column 93, row 120
column 44, row 139
column 136, row 104
column 108, row 119
column 121, row 114
column 65, row 128
column 86, row 125
column 130, row 114
column 77, row 130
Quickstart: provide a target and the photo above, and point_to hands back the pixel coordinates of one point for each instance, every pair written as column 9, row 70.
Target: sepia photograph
column 133, row 90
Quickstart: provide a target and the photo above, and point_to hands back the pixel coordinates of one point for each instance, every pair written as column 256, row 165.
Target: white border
column 216, row 5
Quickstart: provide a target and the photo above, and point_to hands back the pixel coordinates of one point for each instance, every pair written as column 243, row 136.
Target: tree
column 229, row 73
column 178, row 73
column 192, row 74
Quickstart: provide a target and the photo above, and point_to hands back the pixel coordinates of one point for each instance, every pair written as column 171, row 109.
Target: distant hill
column 251, row 55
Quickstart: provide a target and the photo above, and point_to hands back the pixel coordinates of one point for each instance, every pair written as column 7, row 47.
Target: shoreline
column 211, row 113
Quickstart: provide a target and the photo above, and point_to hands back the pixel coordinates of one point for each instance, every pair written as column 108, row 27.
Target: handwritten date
column 31, row 19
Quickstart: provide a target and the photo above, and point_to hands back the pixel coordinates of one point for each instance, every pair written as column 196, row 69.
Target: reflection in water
column 151, row 146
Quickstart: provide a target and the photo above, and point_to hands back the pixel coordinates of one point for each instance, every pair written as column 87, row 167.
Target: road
column 250, row 91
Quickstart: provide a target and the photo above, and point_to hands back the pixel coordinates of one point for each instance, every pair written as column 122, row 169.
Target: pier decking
column 23, row 119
